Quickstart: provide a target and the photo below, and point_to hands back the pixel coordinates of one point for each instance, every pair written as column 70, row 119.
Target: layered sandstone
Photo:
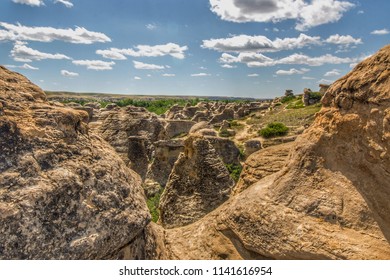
column 64, row 192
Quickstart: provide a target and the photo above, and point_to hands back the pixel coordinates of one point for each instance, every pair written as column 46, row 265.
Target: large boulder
column 64, row 193
column 198, row 184
column 331, row 201
column 121, row 126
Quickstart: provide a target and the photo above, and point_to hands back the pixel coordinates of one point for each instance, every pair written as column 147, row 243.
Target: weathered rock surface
column 261, row 164
column 64, row 193
column 165, row 156
column 118, row 124
column 198, row 184
column 332, row 199
column 176, row 128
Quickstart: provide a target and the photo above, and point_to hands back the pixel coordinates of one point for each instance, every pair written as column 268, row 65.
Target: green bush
column 315, row 95
column 224, row 133
column 153, row 204
column 274, row 129
column 296, row 104
column 234, row 170
column 286, row 99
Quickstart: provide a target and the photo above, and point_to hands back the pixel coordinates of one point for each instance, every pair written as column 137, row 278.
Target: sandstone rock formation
column 165, row 156
column 118, row 124
column 64, row 193
column 198, row 184
column 262, row 164
column 331, row 201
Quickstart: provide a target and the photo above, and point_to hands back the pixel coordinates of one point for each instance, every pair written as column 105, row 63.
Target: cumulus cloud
column 151, row 26
column 245, row 43
column 21, row 52
column 343, row 40
column 137, row 78
column 332, row 73
column 69, row 74
column 145, row 66
column 168, row 75
column 79, row 35
column 171, row 49
column 380, row 32
column 33, row 3
column 307, row 13
column 240, row 43
column 326, row 82
column 95, row 64
column 67, row 4
column 24, row 66
column 228, row 66
column 259, row 60
column 253, row 75
column 292, row 71
column 200, row 75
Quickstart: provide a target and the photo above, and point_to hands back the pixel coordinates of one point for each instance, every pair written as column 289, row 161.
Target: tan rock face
column 262, row 164
column 199, row 183
column 121, row 126
column 332, row 199
column 64, row 193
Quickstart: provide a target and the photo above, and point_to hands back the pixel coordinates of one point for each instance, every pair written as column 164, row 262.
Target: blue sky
column 244, row 48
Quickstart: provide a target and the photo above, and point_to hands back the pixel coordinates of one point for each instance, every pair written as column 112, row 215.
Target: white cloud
column 307, row 14
column 314, row 61
column 24, row 66
column 79, row 35
column 200, row 75
column 36, row 3
column 308, row 78
column 296, row 43
column 67, row 73
column 352, row 65
column 151, row 26
column 245, row 43
column 253, row 75
column 145, row 66
column 324, row 81
column 228, row 66
column 259, row 60
column 292, row 71
column 22, row 53
column 343, row 40
column 137, row 78
column 112, row 53
column 95, row 64
column 239, row 43
column 171, row 49
column 380, row 32
column 334, row 72
column 168, row 75
column 66, row 3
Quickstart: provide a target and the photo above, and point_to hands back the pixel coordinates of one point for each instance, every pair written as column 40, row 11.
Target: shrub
column 286, row 99
column 153, row 204
column 234, row 170
column 274, row 129
column 315, row 95
column 224, row 133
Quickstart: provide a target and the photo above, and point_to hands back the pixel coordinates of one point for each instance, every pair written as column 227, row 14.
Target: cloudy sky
column 246, row 48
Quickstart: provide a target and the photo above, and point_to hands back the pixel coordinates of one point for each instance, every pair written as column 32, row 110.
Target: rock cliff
column 64, row 192
column 198, row 184
column 331, row 201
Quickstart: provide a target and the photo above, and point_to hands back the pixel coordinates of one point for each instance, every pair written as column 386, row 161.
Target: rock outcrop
column 262, row 164
column 122, row 126
column 64, row 192
column 198, row 184
column 331, row 201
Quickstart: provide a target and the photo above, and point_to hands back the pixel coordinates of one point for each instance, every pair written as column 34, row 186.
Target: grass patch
column 274, row 129
column 224, row 133
column 234, row 171
column 153, row 204
column 297, row 104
